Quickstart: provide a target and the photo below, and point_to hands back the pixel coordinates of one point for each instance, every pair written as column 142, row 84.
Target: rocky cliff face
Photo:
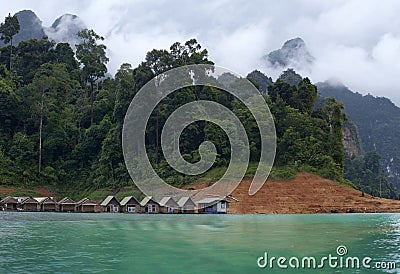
column 30, row 27
column 64, row 28
column 378, row 123
column 294, row 53
column 351, row 140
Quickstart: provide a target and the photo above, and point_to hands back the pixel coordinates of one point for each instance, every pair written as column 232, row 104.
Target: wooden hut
column 169, row 205
column 149, row 205
column 212, row 205
column 85, row 205
column 130, row 205
column 110, row 204
column 27, row 204
column 187, row 205
column 46, row 204
column 9, row 204
column 66, row 205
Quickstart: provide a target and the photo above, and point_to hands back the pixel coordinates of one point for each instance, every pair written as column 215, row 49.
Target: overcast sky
column 355, row 42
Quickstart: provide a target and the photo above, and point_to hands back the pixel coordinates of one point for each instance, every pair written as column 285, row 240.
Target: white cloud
column 240, row 50
column 355, row 41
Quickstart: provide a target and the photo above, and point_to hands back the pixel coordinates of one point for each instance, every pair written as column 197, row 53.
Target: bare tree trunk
column 79, row 132
column 91, row 103
column 11, row 55
column 40, row 133
column 112, row 172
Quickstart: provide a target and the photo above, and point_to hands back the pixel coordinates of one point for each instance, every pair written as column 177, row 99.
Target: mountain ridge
column 378, row 122
column 293, row 53
column 30, row 27
column 63, row 29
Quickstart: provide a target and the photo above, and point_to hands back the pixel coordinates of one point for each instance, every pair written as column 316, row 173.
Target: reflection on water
column 70, row 243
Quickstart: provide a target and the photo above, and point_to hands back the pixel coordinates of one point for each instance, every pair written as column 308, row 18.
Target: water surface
column 122, row 243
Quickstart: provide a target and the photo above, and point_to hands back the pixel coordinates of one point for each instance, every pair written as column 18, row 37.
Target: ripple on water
column 91, row 243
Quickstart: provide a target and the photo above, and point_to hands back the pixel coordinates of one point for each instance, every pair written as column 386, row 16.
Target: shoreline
column 305, row 194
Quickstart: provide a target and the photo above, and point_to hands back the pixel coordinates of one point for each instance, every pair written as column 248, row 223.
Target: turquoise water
column 121, row 243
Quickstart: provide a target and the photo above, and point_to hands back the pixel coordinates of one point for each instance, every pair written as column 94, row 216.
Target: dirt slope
column 37, row 192
column 307, row 193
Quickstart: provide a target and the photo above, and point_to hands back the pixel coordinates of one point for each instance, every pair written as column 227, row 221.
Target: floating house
column 110, row 204
column 27, row 204
column 168, row 205
column 130, row 205
column 66, row 205
column 149, row 205
column 46, row 204
column 187, row 205
column 9, row 204
column 212, row 205
column 85, row 205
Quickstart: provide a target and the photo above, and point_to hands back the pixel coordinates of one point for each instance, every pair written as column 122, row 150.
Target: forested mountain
column 368, row 171
column 61, row 120
column 374, row 120
column 378, row 122
column 64, row 29
column 261, row 80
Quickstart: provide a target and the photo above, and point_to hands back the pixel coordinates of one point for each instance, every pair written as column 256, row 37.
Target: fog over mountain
column 64, row 28
column 294, row 53
column 356, row 42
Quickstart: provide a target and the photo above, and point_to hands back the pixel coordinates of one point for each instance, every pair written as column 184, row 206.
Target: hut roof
column 168, row 201
column 127, row 199
column 9, row 200
column 27, row 200
column 45, row 200
column 184, row 200
column 66, row 201
column 21, row 199
column 146, row 200
column 108, row 200
column 85, row 201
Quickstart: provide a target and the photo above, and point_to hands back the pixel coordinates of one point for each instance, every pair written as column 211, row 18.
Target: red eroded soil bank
column 306, row 193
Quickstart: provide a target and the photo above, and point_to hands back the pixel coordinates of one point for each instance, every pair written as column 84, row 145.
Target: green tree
column 22, row 153
column 9, row 106
column 93, row 58
column 291, row 77
column 371, row 162
column 8, row 29
column 262, row 80
column 7, row 173
column 368, row 175
column 189, row 53
column 30, row 55
column 283, row 90
column 334, row 117
column 124, row 89
column 48, row 93
column 63, row 53
column 306, row 96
